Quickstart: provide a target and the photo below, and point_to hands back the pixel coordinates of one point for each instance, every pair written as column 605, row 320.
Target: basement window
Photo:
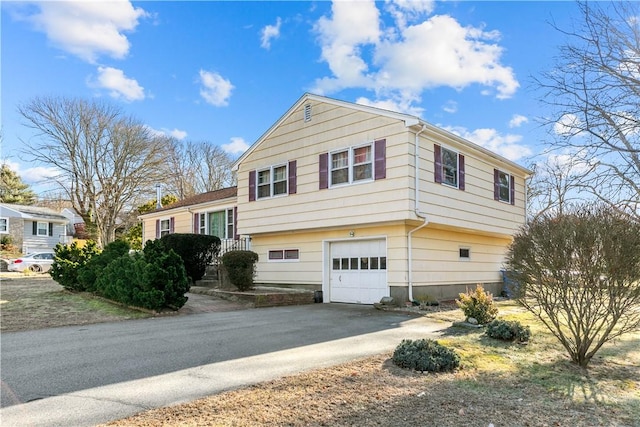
column 465, row 254
column 284, row 255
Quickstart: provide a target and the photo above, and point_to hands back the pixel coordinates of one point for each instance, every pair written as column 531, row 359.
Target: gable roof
column 210, row 196
column 35, row 212
column 409, row 120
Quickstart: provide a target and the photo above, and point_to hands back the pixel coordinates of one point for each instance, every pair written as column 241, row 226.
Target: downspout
column 417, row 211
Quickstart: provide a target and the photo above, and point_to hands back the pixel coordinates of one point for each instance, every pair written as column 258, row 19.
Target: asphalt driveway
column 85, row 375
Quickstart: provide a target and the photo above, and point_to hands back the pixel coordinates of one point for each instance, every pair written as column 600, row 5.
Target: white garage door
column 358, row 271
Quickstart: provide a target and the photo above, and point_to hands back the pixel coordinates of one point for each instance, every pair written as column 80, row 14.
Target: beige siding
column 475, row 207
column 330, row 128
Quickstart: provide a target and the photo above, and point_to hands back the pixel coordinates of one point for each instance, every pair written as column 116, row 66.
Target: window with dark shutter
column 293, row 179
column 512, row 190
column 380, row 148
column 324, row 171
column 437, row 162
column 461, row 174
column 35, row 228
column 252, row 186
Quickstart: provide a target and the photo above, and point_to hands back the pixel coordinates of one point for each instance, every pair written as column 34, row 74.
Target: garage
column 358, row 271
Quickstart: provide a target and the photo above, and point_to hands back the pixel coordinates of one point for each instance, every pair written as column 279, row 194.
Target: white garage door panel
column 358, row 271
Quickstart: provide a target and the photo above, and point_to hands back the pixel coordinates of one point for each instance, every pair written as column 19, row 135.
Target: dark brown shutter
column 35, row 228
column 252, row 186
column 236, row 236
column 172, row 222
column 496, row 184
column 461, row 174
column 380, row 167
column 437, row 163
column 50, row 229
column 157, row 228
column 512, row 189
column 293, row 179
column 324, row 170
column 196, row 223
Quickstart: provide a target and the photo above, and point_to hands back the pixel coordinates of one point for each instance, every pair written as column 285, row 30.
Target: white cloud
column 505, row 145
column 175, row 133
column 119, row 85
column 400, row 105
column 405, row 60
column 32, row 175
column 270, row 32
column 236, row 146
column 88, row 28
column 517, row 120
column 568, row 125
column 450, row 107
column 216, row 90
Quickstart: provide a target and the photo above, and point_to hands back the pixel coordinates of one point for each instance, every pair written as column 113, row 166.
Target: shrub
column 240, row 266
column 578, row 273
column 425, row 355
column 68, row 261
column 151, row 282
column 508, row 330
column 478, row 304
column 196, row 250
column 88, row 273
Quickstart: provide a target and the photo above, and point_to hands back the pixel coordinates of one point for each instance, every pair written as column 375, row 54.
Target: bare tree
column 198, row 167
column 594, row 92
column 555, row 185
column 106, row 159
column 579, row 273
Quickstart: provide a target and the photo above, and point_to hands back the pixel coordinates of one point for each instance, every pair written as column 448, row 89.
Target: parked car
column 38, row 262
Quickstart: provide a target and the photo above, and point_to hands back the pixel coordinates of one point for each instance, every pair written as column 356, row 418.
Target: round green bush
column 508, row 330
column 240, row 266
column 425, row 355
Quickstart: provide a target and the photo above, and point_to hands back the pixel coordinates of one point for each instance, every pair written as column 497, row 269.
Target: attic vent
column 307, row 113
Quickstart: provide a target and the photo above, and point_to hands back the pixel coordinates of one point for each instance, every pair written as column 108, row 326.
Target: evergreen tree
column 13, row 190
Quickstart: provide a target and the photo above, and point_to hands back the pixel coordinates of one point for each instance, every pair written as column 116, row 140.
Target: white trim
column 272, row 181
column 500, row 187
column 283, row 259
column 462, row 258
column 457, row 174
column 351, row 164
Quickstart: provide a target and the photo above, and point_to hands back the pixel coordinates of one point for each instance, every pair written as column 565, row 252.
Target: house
column 75, row 226
column 363, row 203
column 32, row 228
column 213, row 213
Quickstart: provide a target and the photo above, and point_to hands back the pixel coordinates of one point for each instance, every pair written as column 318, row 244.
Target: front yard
column 499, row 384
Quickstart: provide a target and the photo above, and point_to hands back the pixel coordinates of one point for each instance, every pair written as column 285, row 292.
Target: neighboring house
column 76, row 223
column 33, row 228
column 331, row 200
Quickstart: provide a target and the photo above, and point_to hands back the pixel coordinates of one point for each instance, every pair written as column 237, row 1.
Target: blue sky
column 224, row 72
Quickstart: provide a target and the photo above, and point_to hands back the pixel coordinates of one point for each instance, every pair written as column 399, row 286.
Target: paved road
column 85, row 375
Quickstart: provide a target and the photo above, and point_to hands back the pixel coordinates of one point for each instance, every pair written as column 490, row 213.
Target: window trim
column 461, row 256
column 351, row 165
column 167, row 230
column 283, row 255
column 46, row 229
column 272, row 182
column 6, row 225
column 457, row 167
column 501, row 187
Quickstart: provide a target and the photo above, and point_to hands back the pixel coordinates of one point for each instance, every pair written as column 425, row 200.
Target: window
column 230, row 222
column 448, row 167
column 43, row 229
column 272, row 181
column 503, row 187
column 4, row 225
column 284, row 255
column 203, row 224
column 362, row 263
column 465, row 254
column 352, row 165
column 165, row 227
